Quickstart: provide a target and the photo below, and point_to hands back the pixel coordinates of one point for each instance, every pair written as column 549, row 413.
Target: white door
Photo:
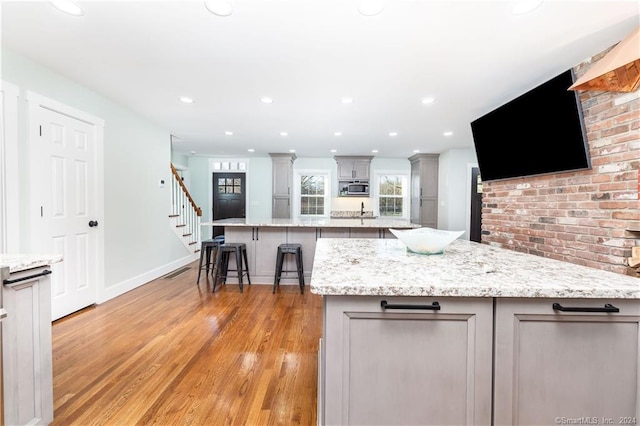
column 69, row 195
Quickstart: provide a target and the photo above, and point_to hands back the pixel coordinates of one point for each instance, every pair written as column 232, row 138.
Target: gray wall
column 139, row 243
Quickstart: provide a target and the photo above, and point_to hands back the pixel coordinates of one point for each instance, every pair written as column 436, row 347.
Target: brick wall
column 585, row 217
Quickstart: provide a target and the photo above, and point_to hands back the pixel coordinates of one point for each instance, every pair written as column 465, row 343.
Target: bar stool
column 207, row 247
column 222, row 263
column 295, row 249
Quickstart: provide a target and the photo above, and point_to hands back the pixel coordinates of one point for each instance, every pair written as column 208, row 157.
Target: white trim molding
column 9, row 171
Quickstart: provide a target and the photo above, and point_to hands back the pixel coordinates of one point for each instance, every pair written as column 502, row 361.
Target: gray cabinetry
column 406, row 366
column 262, row 243
column 555, row 367
column 353, row 167
column 26, row 347
column 424, row 189
column 282, row 184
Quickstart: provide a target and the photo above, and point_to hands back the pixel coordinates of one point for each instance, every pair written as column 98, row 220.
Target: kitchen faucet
column 362, row 209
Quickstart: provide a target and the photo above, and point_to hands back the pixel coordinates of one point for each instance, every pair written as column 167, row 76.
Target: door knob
column 93, row 223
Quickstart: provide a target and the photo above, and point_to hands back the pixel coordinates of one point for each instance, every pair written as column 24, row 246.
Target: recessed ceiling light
column 228, row 133
column 448, row 133
column 374, row 151
column 346, row 100
column 525, row 6
column 337, row 134
column 334, row 150
column 67, row 6
column 370, row 7
column 251, row 150
column 192, row 152
column 186, row 99
column 284, row 134
column 393, row 134
column 219, row 7
column 266, row 100
column 428, row 100
column 416, row 151
column 292, row 150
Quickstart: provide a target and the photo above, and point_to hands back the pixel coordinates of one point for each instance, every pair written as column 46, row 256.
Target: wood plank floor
column 172, row 353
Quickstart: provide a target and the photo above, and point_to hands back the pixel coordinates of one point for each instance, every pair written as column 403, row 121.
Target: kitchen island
column 477, row 335
column 27, row 373
column 263, row 235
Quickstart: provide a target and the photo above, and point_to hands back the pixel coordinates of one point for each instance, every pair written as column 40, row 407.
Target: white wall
column 139, row 244
column 453, row 188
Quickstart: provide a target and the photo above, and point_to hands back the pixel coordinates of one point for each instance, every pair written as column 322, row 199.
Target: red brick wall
column 580, row 217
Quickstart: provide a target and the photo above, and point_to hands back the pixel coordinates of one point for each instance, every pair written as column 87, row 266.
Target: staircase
column 185, row 214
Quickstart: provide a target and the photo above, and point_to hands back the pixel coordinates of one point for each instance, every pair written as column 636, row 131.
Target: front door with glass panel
column 229, row 198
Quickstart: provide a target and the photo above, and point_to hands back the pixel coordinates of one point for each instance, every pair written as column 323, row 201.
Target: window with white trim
column 392, row 192
column 313, row 193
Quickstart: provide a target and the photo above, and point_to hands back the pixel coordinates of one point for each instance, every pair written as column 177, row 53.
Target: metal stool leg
column 276, row 278
column 239, row 267
column 300, row 270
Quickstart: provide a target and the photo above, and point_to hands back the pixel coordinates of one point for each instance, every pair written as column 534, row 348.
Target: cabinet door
column 281, row 208
column 267, row 240
column 307, row 237
column 282, row 176
column 553, row 367
column 406, row 366
column 364, row 233
column 26, row 345
column 428, row 212
column 361, row 169
column 345, row 170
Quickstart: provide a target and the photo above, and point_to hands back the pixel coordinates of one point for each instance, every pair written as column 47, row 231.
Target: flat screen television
column 539, row 132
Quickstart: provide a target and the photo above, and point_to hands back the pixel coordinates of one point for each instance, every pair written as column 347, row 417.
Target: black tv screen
column 539, row 132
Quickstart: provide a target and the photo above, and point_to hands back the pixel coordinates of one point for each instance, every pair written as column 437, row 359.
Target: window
column 312, row 189
column 392, row 195
column 312, row 195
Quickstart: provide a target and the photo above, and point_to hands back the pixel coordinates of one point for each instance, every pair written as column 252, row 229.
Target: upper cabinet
column 424, row 189
column 282, row 185
column 353, row 167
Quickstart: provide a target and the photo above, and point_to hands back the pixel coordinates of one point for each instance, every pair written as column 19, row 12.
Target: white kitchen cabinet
column 424, row 189
column 26, row 346
column 282, row 172
column 262, row 243
column 406, row 366
column 353, row 167
column 555, row 367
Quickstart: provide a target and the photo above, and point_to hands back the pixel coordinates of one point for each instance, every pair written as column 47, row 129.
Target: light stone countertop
column 324, row 223
column 383, row 267
column 22, row 262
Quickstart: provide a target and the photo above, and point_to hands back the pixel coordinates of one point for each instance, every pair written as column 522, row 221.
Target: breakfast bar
column 263, row 235
column 476, row 335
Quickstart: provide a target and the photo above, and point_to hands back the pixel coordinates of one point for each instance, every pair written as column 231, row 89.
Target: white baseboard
column 137, row 281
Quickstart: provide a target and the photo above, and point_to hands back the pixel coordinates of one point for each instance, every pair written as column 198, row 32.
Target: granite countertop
column 383, row 267
column 315, row 222
column 22, row 262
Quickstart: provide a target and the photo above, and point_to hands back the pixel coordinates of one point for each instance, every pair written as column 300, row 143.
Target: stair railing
column 185, row 210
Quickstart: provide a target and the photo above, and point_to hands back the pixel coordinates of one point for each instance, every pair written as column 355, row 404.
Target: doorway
column 475, row 233
column 229, row 198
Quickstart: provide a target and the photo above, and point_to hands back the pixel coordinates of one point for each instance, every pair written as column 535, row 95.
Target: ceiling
column 472, row 56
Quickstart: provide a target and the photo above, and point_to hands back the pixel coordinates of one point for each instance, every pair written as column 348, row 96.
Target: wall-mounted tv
column 539, row 132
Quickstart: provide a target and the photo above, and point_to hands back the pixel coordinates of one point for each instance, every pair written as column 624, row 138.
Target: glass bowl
column 426, row 240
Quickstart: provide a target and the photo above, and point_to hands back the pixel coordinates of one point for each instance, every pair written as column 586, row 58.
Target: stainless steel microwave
column 358, row 188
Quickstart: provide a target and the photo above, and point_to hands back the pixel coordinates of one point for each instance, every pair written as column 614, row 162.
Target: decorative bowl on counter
column 426, row 240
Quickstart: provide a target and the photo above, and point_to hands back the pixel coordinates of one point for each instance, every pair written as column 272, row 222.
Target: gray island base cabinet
column 407, row 366
column 549, row 343
column 556, row 367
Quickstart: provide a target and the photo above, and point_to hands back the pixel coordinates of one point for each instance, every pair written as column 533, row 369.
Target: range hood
column 617, row 71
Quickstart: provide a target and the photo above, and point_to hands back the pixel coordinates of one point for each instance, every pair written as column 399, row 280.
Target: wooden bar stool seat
column 222, row 263
column 296, row 250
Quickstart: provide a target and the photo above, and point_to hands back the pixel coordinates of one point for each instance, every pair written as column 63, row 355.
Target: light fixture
column 67, row 6
column 375, row 151
column 370, row 7
column 393, row 134
column 415, row 151
column 186, row 99
column 219, row 7
column 284, row 134
column 292, row 150
column 228, row 133
column 334, row 150
column 525, row 6
column 448, row 133
column 251, row 150
column 266, row 100
column 428, row 100
column 346, row 100
column 192, row 152
column 337, row 134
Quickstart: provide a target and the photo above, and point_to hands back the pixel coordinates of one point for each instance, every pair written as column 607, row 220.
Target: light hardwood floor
column 173, row 353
